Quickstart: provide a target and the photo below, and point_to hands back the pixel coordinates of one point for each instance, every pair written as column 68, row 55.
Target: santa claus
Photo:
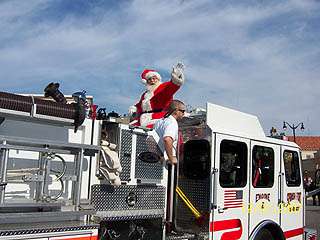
column 157, row 97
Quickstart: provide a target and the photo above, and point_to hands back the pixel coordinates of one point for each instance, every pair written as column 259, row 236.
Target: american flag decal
column 233, row 198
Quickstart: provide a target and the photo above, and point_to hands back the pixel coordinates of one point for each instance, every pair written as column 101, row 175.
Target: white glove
column 132, row 110
column 177, row 76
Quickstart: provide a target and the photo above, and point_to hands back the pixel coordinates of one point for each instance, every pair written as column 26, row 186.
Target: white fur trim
column 143, row 81
column 152, row 74
column 153, row 121
column 146, row 105
column 146, row 119
column 133, row 122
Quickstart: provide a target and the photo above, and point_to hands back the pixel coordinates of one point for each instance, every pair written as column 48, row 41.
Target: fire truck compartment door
column 264, row 183
column 230, row 183
column 291, row 209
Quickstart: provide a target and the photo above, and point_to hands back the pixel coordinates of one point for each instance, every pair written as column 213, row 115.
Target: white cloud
column 16, row 8
column 246, row 56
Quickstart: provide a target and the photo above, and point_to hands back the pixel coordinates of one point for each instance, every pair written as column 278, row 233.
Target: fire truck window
column 262, row 166
column 233, row 164
column 196, row 161
column 292, row 168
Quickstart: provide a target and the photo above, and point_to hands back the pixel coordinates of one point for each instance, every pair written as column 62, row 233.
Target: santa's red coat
column 153, row 104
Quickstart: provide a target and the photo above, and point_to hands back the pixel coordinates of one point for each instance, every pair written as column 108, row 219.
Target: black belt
column 153, row 111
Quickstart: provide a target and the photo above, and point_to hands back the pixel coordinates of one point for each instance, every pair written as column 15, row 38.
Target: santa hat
column 149, row 73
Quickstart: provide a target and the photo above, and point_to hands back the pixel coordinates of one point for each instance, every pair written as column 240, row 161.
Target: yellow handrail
column 184, row 198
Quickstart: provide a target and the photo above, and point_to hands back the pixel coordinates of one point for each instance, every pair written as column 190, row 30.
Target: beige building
column 310, row 151
column 310, row 146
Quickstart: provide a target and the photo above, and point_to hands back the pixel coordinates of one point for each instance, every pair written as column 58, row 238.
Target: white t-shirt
column 167, row 127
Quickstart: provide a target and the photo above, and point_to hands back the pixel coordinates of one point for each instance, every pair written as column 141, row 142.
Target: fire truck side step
column 6, row 218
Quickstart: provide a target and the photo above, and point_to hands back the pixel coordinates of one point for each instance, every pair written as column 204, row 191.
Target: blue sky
column 259, row 56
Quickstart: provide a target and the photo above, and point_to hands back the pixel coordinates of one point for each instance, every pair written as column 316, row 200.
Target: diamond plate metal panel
column 181, row 236
column 198, row 192
column 115, row 198
column 129, row 214
column 145, row 170
column 125, row 154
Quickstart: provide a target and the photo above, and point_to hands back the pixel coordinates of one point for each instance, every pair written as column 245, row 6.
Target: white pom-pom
column 143, row 81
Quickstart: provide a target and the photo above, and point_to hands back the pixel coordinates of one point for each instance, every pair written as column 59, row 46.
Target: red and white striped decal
column 237, row 233
column 226, row 225
column 293, row 233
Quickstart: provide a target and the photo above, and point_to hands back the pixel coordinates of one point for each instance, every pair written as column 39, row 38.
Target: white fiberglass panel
column 229, row 121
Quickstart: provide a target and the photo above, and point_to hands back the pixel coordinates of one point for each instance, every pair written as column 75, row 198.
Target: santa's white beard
column 153, row 87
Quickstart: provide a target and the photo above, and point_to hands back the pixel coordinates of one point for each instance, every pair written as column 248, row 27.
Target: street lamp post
column 293, row 127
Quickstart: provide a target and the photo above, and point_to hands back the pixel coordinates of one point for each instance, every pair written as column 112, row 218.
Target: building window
column 233, row 164
column 262, row 166
column 292, row 168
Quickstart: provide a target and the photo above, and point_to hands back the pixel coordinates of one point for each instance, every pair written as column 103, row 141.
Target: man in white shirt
column 167, row 130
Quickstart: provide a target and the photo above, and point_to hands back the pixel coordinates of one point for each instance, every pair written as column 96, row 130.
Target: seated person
column 157, row 97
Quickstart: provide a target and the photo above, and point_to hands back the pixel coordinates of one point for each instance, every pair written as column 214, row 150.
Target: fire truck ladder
column 66, row 208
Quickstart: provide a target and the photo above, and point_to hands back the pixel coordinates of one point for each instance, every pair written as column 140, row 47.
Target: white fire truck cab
column 250, row 184
column 231, row 182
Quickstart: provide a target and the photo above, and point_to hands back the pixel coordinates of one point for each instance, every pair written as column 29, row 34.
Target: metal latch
column 222, row 209
column 3, row 184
